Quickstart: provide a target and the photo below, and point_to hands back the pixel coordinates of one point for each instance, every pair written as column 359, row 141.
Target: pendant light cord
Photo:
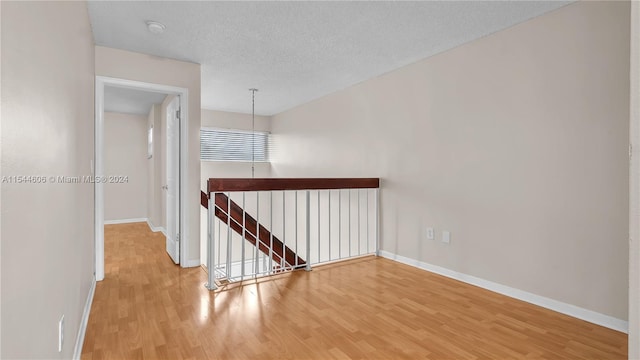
column 253, row 132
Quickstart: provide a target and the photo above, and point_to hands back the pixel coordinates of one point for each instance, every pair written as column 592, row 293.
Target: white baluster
column 308, row 228
column 211, row 275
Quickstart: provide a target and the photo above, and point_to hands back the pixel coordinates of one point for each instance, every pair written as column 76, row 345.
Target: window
column 150, row 143
column 233, row 145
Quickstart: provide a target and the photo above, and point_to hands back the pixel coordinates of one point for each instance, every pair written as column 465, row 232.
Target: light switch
column 446, row 237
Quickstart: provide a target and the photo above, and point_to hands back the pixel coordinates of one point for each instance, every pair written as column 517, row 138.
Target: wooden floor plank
column 370, row 308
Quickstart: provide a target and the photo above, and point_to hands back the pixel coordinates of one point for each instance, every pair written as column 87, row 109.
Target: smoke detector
column 155, row 27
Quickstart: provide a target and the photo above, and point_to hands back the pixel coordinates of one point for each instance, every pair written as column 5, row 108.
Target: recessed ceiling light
column 155, row 27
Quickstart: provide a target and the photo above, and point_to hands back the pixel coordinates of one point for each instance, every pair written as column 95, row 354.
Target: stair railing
column 299, row 222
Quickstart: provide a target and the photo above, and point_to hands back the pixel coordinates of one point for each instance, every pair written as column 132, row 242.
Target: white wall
column 125, row 145
column 152, row 69
column 516, row 143
column 225, row 169
column 47, row 130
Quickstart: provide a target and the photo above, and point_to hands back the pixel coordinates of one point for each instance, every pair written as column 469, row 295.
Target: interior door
column 172, row 187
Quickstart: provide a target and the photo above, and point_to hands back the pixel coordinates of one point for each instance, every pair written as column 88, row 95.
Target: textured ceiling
column 130, row 101
column 295, row 52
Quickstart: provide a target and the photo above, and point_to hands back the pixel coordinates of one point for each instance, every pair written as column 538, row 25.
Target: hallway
column 371, row 308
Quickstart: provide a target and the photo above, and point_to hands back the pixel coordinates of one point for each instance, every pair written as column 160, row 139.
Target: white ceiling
column 130, row 101
column 294, row 52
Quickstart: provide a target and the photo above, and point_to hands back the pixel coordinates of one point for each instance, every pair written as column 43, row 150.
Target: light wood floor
column 370, row 308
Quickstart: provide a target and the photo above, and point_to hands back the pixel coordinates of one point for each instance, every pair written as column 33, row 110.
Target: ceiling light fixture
column 253, row 132
column 155, row 27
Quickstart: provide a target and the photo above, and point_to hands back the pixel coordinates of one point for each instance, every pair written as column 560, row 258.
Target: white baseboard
column 188, row 263
column 125, row 221
column 555, row 305
column 77, row 350
column 192, row 263
column 136, row 220
column 156, row 228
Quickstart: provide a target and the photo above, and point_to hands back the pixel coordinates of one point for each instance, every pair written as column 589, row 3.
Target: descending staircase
column 282, row 255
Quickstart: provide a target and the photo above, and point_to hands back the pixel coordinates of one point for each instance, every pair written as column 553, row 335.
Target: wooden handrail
column 204, row 200
column 252, row 227
column 266, row 184
column 264, row 239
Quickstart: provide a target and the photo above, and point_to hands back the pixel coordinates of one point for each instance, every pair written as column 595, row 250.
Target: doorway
column 174, row 157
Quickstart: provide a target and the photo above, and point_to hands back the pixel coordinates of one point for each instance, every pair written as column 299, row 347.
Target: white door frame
column 183, row 93
column 634, row 187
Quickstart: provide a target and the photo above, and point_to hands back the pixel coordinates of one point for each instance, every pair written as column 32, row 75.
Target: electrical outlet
column 430, row 234
column 60, row 333
column 446, row 237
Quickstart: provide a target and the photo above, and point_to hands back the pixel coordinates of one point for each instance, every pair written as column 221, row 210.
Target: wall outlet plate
column 430, row 234
column 446, row 237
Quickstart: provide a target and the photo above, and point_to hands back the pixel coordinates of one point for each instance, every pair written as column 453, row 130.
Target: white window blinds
column 233, row 145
